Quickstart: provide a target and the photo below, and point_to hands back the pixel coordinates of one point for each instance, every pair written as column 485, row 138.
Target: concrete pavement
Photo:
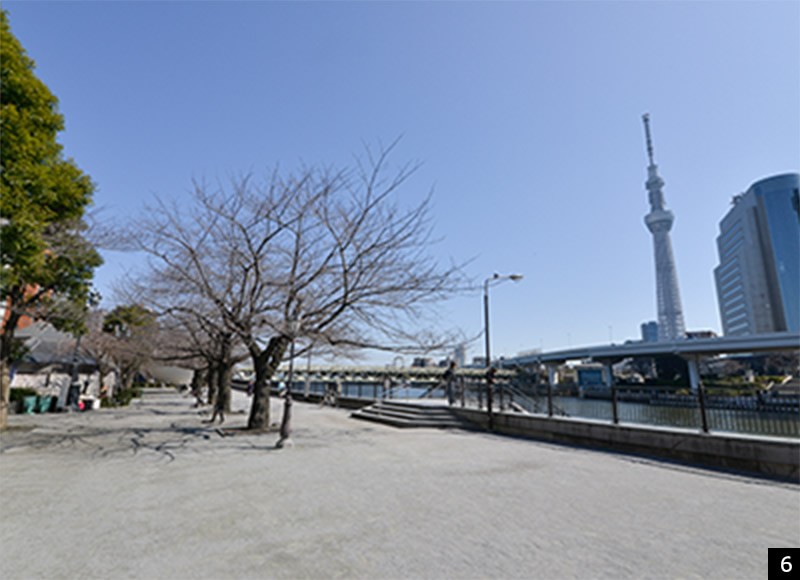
column 150, row 491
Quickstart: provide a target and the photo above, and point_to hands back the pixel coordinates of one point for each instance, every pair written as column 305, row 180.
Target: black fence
column 707, row 411
column 773, row 415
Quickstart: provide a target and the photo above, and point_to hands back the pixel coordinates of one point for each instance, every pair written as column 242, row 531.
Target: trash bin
column 44, row 403
column 28, row 404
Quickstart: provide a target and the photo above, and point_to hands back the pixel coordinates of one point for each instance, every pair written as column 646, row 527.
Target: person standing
column 449, row 382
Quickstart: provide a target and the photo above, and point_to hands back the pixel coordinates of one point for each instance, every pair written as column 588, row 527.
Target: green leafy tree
column 672, row 368
column 47, row 263
column 134, row 329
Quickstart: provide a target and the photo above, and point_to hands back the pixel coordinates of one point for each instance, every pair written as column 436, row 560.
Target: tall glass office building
column 758, row 277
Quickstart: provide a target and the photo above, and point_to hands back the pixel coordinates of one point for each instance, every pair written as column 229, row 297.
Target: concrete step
column 407, row 415
column 409, row 410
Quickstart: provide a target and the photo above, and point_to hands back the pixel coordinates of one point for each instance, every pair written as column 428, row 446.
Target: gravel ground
column 150, row 491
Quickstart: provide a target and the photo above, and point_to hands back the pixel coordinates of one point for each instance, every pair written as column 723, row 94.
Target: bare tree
column 212, row 348
column 192, row 336
column 323, row 254
column 99, row 345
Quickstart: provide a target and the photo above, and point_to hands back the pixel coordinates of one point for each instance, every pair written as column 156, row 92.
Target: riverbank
column 151, row 491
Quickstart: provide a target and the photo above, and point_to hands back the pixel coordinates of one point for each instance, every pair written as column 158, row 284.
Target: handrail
column 429, row 391
column 534, row 403
column 474, row 393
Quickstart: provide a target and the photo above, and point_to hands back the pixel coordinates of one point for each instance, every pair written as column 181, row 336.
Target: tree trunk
column 224, row 388
column 127, row 379
column 5, row 364
column 198, row 376
column 265, row 363
column 211, row 382
column 5, row 394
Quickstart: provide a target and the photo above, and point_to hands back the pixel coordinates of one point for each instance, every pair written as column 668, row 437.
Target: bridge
column 375, row 374
column 355, row 385
column 689, row 349
column 608, row 355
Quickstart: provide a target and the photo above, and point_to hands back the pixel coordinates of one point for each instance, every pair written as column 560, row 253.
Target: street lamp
column 491, row 281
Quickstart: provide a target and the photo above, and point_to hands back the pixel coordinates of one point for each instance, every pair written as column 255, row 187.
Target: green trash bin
column 44, row 403
column 28, row 404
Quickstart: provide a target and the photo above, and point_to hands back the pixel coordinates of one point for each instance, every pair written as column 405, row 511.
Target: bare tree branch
column 324, row 255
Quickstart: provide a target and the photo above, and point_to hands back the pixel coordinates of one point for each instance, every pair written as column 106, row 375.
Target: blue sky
column 525, row 115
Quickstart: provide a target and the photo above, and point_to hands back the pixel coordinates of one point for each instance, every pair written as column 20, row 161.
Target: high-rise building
column 650, row 331
column 659, row 222
column 758, row 277
column 460, row 354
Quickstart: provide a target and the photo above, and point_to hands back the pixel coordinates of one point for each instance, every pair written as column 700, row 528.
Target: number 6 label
column 783, row 563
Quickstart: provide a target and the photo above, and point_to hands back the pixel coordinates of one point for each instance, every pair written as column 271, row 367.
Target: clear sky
column 525, row 115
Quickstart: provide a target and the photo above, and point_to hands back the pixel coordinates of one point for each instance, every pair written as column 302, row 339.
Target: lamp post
column 491, row 281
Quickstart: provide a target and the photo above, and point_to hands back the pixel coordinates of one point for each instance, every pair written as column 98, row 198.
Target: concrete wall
column 776, row 458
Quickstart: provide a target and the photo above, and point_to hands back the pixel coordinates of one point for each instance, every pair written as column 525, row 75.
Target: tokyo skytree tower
column 659, row 222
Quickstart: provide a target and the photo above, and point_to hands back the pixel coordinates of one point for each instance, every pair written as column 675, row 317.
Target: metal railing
column 703, row 410
column 706, row 410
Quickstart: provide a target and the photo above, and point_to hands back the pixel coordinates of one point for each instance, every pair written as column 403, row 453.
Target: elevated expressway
column 608, row 355
column 689, row 349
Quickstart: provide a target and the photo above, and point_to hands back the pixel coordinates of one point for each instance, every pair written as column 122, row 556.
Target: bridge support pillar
column 608, row 379
column 694, row 373
column 552, row 374
column 697, row 388
column 608, row 374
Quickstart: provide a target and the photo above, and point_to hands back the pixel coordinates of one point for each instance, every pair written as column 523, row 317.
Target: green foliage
column 47, row 262
column 129, row 319
column 20, row 393
column 37, row 181
column 717, row 390
column 17, row 349
column 672, row 369
column 123, row 397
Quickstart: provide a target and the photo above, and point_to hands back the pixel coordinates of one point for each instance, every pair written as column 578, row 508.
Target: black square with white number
column 784, row 563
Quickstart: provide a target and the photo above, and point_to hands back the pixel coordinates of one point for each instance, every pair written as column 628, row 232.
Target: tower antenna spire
column 659, row 222
column 646, row 119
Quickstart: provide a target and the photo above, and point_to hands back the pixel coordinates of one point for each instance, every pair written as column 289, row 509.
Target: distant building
column 758, row 277
column 423, row 362
column 590, row 376
column 478, row 362
column 650, row 331
column 460, row 355
column 5, row 310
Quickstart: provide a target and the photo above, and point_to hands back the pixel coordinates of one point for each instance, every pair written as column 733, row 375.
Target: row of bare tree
column 325, row 257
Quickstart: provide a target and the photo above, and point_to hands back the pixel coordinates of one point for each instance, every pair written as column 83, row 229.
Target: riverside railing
column 509, row 396
column 706, row 410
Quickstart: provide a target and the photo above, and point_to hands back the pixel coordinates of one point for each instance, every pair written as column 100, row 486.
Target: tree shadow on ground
column 165, row 442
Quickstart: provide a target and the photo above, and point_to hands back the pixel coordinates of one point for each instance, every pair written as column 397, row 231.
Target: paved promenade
column 151, row 492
